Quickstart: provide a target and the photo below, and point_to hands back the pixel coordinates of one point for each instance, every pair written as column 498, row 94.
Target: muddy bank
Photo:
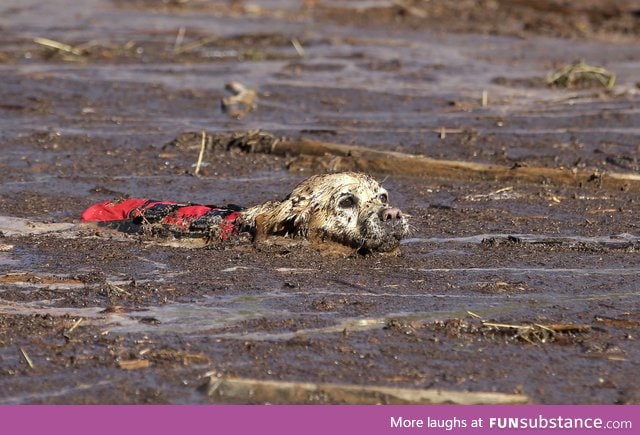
column 587, row 19
column 524, row 288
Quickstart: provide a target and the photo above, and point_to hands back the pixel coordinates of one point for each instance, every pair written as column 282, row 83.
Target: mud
column 518, row 288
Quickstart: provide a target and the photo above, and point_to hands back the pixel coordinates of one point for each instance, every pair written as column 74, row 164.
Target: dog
column 342, row 212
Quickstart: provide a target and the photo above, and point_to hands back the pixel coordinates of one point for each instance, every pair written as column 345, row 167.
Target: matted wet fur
column 347, row 210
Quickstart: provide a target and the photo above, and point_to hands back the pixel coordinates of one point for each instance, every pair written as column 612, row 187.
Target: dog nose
column 390, row 214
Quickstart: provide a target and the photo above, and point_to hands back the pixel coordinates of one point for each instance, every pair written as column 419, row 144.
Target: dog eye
column 383, row 198
column 347, row 202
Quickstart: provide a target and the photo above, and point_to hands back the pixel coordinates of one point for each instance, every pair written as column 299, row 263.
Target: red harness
column 191, row 220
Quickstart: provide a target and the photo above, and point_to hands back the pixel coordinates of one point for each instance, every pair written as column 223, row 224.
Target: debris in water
column 281, row 392
column 57, row 45
column 579, row 74
column 327, row 156
column 618, row 323
column 201, row 154
column 298, row 47
column 243, row 100
column 67, row 333
column 133, row 364
column 27, row 358
column 536, row 333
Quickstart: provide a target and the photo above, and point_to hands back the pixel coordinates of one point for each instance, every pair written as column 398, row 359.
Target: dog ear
column 290, row 217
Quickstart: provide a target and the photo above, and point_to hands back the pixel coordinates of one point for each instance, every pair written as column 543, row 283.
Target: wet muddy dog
column 337, row 213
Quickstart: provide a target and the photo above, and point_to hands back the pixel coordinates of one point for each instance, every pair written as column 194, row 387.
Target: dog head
column 348, row 208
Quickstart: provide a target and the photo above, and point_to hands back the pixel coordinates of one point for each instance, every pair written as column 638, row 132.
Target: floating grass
column 579, row 74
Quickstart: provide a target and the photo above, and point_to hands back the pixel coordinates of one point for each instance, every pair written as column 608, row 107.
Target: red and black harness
column 166, row 218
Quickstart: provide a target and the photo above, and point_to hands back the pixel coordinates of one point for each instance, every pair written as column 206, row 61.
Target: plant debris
column 283, row 392
column 581, row 75
column 322, row 156
column 243, row 100
column 535, row 333
column 134, row 364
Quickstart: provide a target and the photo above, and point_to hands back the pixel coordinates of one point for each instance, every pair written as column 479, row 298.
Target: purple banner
column 317, row 420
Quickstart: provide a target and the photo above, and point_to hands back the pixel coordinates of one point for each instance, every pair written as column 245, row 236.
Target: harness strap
column 191, row 220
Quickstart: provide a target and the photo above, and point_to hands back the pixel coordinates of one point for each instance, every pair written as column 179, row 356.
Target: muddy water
column 80, row 128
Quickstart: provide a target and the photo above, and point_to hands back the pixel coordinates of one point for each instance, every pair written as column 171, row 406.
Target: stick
column 117, row 289
column 68, row 332
column 134, row 364
column 26, row 358
column 58, row 45
column 179, row 38
column 555, row 327
column 298, row 47
column 393, row 162
column 359, row 158
column 201, row 155
column 279, row 392
column 193, row 45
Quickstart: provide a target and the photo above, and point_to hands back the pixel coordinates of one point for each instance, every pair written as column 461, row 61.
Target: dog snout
column 390, row 214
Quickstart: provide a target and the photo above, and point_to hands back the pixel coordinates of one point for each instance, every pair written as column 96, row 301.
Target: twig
column 442, row 133
column 134, row 364
column 268, row 391
column 538, row 332
column 196, row 44
column 27, row 358
column 118, row 289
column 201, row 155
column 506, row 325
column 58, row 45
column 504, row 189
column 299, row 49
column 179, row 38
column 68, row 332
